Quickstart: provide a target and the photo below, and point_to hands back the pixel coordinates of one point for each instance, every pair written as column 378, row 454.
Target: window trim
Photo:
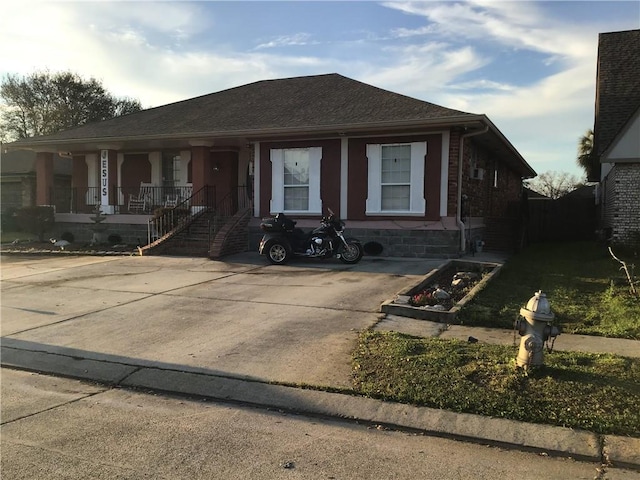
column 417, row 202
column 277, row 181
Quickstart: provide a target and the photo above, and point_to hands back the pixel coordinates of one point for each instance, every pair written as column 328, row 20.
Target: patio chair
column 142, row 201
column 171, row 201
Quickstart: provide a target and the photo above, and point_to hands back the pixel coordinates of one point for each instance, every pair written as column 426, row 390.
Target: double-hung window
column 296, row 180
column 396, row 178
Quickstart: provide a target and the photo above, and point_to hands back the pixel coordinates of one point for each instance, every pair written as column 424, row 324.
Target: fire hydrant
column 535, row 328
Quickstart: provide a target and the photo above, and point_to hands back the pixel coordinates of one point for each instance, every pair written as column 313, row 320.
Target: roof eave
column 460, row 120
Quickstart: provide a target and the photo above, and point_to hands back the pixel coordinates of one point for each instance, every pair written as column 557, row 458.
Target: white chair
column 171, row 201
column 142, row 201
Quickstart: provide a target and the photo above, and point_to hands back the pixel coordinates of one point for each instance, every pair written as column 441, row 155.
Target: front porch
column 187, row 228
column 137, row 200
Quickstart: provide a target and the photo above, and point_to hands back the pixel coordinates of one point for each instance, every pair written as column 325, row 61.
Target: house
column 417, row 178
column 617, row 135
column 18, row 179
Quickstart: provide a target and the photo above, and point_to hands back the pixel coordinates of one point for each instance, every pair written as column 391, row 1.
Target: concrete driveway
column 239, row 317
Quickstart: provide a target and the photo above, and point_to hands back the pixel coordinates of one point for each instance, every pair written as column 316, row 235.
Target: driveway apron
column 239, row 317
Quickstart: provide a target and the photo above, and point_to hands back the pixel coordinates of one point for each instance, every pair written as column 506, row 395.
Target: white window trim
column 277, row 181
column 417, row 203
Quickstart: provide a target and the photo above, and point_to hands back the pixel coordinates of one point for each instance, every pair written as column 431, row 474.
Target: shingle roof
column 618, row 85
column 312, row 101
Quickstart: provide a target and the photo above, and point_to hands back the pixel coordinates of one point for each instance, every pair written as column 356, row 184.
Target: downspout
column 461, row 225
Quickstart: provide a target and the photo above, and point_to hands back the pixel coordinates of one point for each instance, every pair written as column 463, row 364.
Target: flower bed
column 443, row 292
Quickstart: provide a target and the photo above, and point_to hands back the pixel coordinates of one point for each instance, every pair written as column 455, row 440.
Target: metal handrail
column 169, row 220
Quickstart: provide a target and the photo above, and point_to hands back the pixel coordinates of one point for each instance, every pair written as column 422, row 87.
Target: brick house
column 617, row 135
column 417, row 178
column 18, row 178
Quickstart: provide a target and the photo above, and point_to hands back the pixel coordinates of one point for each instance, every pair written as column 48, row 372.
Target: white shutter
column 277, row 181
column 374, row 194
column 418, row 153
column 315, row 200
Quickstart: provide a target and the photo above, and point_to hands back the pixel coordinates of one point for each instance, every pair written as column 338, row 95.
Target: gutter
column 249, row 134
column 461, row 225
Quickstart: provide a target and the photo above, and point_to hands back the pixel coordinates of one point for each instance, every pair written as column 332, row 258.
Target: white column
column 344, row 176
column 444, row 174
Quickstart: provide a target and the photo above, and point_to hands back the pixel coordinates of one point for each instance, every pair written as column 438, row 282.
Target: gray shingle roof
column 618, row 85
column 300, row 102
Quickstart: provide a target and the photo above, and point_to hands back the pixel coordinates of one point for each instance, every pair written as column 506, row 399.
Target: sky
column 529, row 66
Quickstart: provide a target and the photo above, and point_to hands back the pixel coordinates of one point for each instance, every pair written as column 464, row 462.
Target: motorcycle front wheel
column 278, row 253
column 352, row 253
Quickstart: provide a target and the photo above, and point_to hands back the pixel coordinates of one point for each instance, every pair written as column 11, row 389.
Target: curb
column 615, row 450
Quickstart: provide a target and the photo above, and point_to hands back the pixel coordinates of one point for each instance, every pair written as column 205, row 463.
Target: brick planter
column 443, row 316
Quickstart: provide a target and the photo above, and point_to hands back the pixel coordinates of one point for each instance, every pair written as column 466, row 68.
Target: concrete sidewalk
column 176, row 379
column 92, row 356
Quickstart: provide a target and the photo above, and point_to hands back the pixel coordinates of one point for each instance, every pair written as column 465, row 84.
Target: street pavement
column 58, row 428
column 243, row 331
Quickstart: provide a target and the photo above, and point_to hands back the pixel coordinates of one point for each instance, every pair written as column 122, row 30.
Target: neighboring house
column 18, row 179
column 617, row 135
column 417, row 178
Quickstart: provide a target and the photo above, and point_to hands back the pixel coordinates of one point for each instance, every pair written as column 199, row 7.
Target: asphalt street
column 57, row 428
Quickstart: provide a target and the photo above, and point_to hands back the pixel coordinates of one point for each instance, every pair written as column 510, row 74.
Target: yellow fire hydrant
column 535, row 327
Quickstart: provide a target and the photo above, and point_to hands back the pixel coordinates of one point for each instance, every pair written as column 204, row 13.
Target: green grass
column 595, row 392
column 577, row 279
column 8, row 237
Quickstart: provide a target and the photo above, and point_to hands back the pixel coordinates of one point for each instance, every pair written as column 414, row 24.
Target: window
column 170, row 168
column 295, row 180
column 396, row 178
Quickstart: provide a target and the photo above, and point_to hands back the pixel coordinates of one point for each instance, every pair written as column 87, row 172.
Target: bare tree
column 44, row 103
column 554, row 184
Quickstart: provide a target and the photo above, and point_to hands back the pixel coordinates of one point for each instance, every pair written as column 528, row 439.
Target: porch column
column 44, row 177
column 199, row 162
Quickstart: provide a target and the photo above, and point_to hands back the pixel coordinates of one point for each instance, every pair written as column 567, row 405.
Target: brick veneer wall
column 395, row 242
column 626, row 204
column 485, row 200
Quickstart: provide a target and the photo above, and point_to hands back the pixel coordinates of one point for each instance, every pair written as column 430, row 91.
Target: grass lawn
column 577, row 279
column 7, row 237
column 595, row 392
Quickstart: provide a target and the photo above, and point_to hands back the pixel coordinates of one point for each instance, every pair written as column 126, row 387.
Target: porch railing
column 167, row 219
column 84, row 200
column 202, row 203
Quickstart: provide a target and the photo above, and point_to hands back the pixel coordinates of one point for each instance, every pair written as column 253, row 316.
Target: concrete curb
column 619, row 451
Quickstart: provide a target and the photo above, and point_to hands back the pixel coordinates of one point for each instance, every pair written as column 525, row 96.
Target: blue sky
column 529, row 66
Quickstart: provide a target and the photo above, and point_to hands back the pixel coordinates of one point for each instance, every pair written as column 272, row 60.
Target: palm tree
column 587, row 158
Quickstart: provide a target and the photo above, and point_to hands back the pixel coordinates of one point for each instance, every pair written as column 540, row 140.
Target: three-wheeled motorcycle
column 282, row 240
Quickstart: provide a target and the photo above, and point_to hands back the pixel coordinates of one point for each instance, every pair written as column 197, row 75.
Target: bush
column 8, row 219
column 36, row 220
column 114, row 239
column 68, row 236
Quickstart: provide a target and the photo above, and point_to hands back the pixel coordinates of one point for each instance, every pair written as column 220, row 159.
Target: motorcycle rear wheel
column 352, row 253
column 278, row 253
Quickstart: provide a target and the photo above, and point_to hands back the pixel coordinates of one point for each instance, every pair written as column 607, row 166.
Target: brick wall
column 625, row 220
column 485, row 199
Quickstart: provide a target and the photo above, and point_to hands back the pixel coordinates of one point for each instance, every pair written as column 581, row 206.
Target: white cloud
column 543, row 117
column 113, row 44
column 287, row 41
column 424, row 69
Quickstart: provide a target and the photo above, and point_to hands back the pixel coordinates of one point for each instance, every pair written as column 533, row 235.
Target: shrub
column 8, row 219
column 114, row 239
column 68, row 236
column 36, row 220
